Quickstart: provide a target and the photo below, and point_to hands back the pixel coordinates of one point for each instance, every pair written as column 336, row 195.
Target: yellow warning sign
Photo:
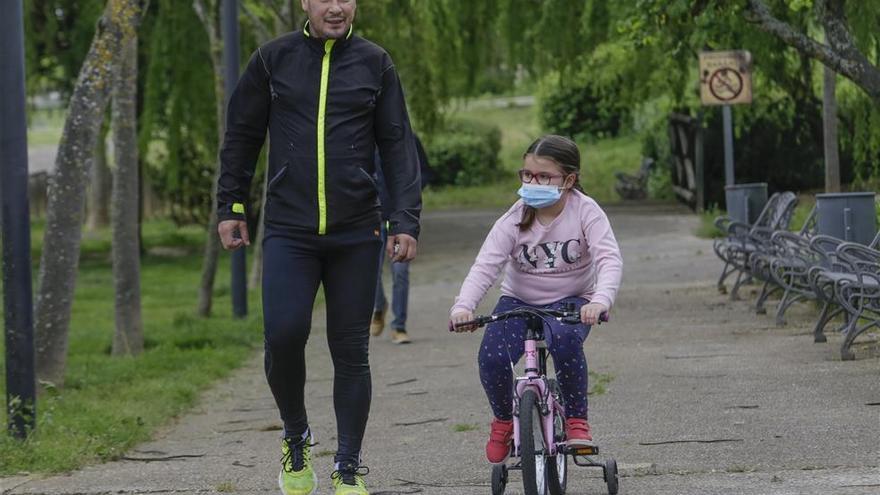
column 726, row 77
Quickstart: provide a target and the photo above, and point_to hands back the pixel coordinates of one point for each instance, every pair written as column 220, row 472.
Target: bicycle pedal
column 593, row 450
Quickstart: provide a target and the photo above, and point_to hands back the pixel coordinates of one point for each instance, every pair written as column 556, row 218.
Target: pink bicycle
column 539, row 448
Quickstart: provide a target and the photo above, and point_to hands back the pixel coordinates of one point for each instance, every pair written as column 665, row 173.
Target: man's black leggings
column 293, row 267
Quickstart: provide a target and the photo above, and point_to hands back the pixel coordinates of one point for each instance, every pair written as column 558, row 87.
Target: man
column 328, row 98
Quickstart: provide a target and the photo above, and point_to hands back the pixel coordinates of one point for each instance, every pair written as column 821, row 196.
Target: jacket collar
column 319, row 43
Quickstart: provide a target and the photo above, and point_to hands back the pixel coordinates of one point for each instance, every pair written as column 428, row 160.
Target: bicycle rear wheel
column 532, row 448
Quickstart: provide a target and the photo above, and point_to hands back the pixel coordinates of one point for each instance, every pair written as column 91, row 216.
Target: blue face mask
column 538, row 196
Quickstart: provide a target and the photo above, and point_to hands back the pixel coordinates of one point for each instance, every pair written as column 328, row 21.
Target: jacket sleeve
column 427, row 175
column 247, row 117
column 397, row 148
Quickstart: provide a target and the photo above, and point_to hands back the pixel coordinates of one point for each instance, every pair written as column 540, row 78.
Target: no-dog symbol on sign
column 725, row 77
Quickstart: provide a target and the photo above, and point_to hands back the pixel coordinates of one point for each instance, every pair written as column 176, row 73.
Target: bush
column 655, row 144
column 465, row 153
column 580, row 107
column 777, row 141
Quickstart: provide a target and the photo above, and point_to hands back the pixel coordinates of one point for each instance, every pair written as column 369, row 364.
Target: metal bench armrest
column 858, row 254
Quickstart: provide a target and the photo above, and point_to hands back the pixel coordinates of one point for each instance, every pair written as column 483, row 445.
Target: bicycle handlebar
column 571, row 317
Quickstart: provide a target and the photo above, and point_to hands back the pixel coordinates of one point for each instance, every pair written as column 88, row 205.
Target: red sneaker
column 500, row 437
column 577, row 433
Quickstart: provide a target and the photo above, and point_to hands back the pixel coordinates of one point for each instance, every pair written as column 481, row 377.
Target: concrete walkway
column 705, row 397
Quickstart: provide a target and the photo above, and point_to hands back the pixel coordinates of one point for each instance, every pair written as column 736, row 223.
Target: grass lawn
column 108, row 404
column 45, row 127
column 519, row 127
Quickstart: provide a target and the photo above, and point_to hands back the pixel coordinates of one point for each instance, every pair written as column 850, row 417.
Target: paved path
column 705, row 397
column 41, row 159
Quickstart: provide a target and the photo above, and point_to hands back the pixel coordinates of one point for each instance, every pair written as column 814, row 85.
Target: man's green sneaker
column 348, row 479
column 297, row 476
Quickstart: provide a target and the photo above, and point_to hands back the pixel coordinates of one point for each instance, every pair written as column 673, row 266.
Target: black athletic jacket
column 327, row 105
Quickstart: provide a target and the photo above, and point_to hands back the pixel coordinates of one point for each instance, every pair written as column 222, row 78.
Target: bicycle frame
column 534, row 380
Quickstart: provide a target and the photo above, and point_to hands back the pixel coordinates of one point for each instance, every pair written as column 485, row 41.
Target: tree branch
column 833, row 19
column 277, row 10
column 842, row 56
column 199, row 7
column 263, row 34
column 757, row 12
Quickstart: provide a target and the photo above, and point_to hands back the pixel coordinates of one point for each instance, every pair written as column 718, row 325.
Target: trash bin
column 848, row 216
column 745, row 201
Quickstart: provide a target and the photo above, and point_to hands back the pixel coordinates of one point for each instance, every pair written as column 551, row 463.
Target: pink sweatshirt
column 576, row 255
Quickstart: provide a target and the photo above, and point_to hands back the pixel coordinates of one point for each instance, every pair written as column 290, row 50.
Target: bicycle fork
column 537, row 383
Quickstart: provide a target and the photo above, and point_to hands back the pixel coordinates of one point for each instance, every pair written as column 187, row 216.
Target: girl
column 556, row 247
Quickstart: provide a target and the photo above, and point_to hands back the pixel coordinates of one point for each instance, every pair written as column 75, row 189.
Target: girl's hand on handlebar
column 460, row 317
column 590, row 313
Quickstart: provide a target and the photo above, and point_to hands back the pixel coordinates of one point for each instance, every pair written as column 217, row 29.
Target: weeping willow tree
column 57, row 37
column 178, row 136
column 427, row 44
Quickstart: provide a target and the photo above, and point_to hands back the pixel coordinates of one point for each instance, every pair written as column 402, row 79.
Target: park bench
column 775, row 257
column 859, row 293
column 742, row 240
column 843, row 276
column 630, row 186
column 828, row 280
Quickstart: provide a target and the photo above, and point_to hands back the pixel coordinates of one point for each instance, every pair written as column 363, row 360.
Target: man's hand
column 401, row 247
column 230, row 241
column 590, row 313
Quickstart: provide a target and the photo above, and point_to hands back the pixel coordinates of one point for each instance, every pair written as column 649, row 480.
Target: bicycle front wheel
column 532, row 448
column 557, row 467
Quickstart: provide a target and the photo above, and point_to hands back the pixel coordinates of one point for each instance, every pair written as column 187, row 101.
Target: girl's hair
column 564, row 152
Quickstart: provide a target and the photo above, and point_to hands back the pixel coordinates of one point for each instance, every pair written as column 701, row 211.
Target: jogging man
column 328, row 98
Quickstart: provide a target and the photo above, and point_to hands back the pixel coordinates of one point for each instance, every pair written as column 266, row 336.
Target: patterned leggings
column 503, row 344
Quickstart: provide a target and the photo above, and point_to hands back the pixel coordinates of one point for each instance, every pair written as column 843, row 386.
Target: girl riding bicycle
column 556, row 247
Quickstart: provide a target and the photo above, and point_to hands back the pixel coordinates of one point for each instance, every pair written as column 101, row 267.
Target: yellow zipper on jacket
column 322, row 124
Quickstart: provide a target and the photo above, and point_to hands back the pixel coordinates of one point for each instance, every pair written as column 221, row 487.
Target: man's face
column 330, row 19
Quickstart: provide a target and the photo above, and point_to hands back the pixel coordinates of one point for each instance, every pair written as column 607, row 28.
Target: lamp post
column 15, row 218
column 229, row 18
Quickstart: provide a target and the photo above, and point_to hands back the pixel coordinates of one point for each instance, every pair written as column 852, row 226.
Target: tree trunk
column 288, row 18
column 64, row 217
column 829, row 127
column 210, row 18
column 99, row 193
column 128, row 338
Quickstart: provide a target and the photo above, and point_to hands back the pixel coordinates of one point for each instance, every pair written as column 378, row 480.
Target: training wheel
column 610, row 470
column 499, row 479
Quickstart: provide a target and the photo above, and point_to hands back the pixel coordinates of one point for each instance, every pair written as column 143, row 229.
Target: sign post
column 725, row 79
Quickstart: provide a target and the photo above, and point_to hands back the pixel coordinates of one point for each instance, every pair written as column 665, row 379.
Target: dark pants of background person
column 399, row 288
column 294, row 264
